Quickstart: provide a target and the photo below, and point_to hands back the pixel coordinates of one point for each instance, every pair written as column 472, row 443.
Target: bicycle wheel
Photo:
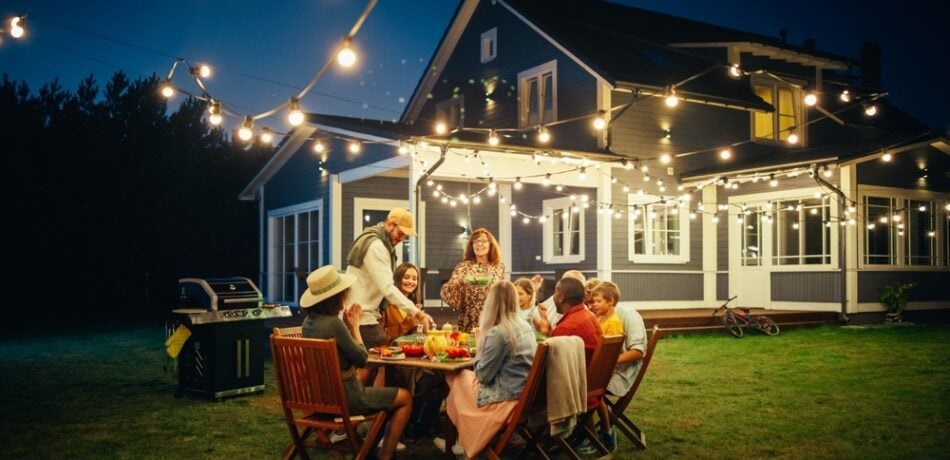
column 731, row 323
column 766, row 325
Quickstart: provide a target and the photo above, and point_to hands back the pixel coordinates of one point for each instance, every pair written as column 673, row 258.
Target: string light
column 811, row 99
column 167, row 89
column 582, row 175
column 295, row 116
column 16, row 26
column 266, row 136
column 355, row 147
column 792, row 136
column 886, row 157
column 671, row 99
column 202, row 71
column 543, row 135
column 215, row 118
column 725, row 154
column 666, row 158
column 440, row 128
column 600, row 122
column 245, row 132
column 845, row 96
column 547, row 180
column 870, row 109
column 492, row 138
column 517, row 184
column 735, row 71
column 318, row 147
column 773, row 181
column 346, row 57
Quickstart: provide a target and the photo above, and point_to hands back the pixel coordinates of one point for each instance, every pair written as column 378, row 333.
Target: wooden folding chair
column 599, row 371
column 294, row 332
column 313, row 398
column 518, row 419
column 617, row 408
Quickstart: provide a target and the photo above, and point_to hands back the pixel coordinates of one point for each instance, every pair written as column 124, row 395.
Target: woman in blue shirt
column 480, row 401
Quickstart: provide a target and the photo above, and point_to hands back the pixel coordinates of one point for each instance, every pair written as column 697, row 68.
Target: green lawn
column 830, row 392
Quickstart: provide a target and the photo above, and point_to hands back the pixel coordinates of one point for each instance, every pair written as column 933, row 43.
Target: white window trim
column 800, row 120
column 272, row 215
column 682, row 257
column 489, row 53
column 904, row 194
column 537, row 71
column 548, row 208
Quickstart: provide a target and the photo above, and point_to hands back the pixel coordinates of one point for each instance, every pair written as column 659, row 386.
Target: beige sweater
column 566, row 383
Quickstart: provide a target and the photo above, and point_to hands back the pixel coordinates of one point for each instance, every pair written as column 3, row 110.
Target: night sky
column 263, row 55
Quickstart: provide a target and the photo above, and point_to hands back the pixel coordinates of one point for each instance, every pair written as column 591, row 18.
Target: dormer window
column 537, row 95
column 451, row 112
column 776, row 126
column 489, row 44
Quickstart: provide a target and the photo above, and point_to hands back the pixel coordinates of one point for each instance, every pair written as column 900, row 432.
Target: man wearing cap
column 372, row 259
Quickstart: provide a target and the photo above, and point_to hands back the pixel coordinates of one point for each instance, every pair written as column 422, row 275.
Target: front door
column 749, row 246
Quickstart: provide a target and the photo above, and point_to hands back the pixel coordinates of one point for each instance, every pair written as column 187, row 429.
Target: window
column 659, row 230
column 563, row 231
column 537, row 92
column 800, row 236
column 900, row 231
column 750, row 237
column 371, row 211
column 489, row 44
column 451, row 112
column 776, row 126
column 295, row 236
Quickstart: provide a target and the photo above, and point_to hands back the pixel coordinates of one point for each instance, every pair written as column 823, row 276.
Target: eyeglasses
column 480, row 243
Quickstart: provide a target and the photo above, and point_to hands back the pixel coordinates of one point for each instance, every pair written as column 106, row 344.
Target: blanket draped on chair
column 566, row 383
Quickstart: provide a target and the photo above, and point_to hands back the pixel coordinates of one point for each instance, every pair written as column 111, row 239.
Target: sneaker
column 399, row 446
column 609, row 440
column 585, row 447
column 440, row 444
column 337, row 436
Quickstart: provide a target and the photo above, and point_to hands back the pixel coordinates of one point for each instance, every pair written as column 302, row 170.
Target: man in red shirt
column 577, row 319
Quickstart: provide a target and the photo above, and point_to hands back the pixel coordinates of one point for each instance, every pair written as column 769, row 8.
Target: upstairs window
column 777, row 125
column 537, row 92
column 489, row 44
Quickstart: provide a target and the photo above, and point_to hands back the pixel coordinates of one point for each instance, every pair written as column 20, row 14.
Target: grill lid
column 227, row 293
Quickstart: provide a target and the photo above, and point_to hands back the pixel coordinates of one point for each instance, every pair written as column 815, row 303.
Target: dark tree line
column 111, row 199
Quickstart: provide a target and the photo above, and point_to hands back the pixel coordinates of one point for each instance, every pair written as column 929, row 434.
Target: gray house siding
column 883, row 174
column 806, row 286
column 659, row 286
column 931, row 286
column 298, row 181
column 722, row 286
column 372, row 187
column 519, row 48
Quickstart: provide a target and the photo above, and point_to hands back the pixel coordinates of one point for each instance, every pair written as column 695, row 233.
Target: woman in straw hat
column 323, row 301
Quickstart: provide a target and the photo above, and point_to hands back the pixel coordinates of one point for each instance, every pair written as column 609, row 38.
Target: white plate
column 398, row 357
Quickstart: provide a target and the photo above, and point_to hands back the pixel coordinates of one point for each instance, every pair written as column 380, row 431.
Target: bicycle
column 734, row 319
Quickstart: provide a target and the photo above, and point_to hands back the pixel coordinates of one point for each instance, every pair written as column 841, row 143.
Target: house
column 682, row 206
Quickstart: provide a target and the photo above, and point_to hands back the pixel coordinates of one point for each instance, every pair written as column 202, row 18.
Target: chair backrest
column 601, row 366
column 308, row 375
column 294, row 332
column 526, row 402
column 624, row 401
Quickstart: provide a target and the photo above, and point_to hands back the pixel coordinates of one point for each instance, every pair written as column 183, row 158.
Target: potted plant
column 894, row 298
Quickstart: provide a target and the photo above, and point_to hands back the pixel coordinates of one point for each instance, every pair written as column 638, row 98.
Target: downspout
column 445, row 149
column 842, row 205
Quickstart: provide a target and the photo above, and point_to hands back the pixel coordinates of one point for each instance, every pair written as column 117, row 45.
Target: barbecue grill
column 225, row 354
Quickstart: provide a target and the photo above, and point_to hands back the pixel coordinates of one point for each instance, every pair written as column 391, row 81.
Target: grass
column 829, row 392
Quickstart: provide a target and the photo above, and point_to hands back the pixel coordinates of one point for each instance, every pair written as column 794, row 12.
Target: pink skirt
column 476, row 425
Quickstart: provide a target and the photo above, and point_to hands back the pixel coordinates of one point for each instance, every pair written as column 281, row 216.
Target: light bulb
column 266, row 136
column 16, row 30
column 354, row 147
column 599, row 121
column 811, row 99
column 734, row 71
column 671, row 99
column 245, row 133
column 870, row 109
column 845, row 96
column 492, row 138
column 518, row 184
column 725, row 154
column 346, row 57
column 204, row 71
column 792, row 137
column 295, row 117
column 318, row 147
column 666, row 158
column 215, row 119
column 167, row 89
column 543, row 135
column 547, row 180
column 887, row 157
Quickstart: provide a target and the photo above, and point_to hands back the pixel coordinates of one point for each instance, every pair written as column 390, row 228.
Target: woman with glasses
column 480, row 267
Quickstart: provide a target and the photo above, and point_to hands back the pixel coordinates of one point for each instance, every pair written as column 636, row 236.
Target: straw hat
column 403, row 219
column 323, row 283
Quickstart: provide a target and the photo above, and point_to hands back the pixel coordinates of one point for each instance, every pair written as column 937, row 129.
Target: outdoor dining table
column 423, row 362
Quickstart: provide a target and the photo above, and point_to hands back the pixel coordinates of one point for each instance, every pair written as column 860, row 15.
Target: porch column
column 335, row 212
column 605, row 263
column 849, row 186
column 504, row 226
column 710, row 243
